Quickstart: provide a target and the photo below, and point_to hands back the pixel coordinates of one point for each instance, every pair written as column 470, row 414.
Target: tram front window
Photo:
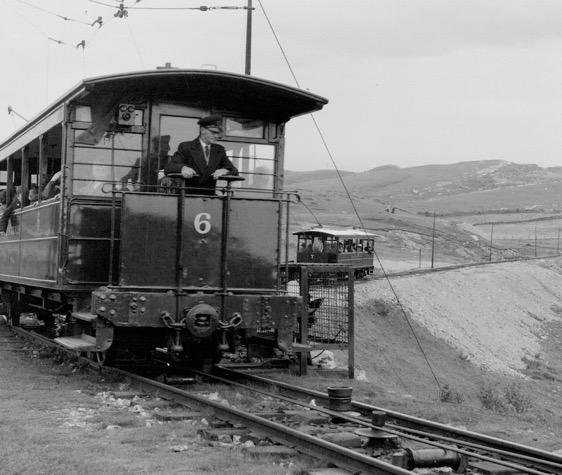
column 97, row 167
column 255, row 161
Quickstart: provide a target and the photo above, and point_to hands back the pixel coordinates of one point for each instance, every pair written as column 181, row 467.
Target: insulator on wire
column 99, row 22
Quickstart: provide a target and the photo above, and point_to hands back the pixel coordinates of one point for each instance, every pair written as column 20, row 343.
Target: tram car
column 110, row 259
column 344, row 247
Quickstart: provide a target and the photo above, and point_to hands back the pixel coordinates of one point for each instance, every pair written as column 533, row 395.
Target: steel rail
column 546, row 467
column 548, row 461
column 313, row 446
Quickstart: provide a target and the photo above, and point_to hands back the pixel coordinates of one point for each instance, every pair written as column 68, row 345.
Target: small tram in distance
column 119, row 261
column 344, row 247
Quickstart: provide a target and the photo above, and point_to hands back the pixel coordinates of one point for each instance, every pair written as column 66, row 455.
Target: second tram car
column 347, row 247
column 107, row 257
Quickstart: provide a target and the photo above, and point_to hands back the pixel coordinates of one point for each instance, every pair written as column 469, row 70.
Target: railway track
column 470, row 444
column 364, row 439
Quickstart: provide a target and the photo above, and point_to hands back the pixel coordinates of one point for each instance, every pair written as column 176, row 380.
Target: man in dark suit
column 202, row 157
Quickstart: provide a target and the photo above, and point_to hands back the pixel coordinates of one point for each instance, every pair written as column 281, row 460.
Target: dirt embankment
column 496, row 316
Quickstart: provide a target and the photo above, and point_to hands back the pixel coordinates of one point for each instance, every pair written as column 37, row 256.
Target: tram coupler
column 228, row 327
column 175, row 347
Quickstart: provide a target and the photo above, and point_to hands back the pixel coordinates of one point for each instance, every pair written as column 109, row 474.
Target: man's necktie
column 207, row 154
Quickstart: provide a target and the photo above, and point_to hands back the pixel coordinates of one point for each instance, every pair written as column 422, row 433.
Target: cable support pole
column 249, row 39
column 433, row 241
column 491, row 240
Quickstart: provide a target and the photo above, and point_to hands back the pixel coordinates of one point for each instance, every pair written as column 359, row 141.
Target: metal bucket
column 340, row 398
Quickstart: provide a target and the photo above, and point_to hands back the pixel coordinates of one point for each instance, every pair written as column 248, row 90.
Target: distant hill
column 399, row 204
column 460, row 187
column 297, row 177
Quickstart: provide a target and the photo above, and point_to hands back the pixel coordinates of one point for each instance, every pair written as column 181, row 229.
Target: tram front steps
column 78, row 343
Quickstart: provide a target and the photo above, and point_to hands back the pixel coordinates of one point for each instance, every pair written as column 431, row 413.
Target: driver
column 202, row 161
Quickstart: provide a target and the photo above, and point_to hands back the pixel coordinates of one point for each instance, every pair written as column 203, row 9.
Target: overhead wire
column 134, row 41
column 201, row 8
column 51, row 13
column 310, row 211
column 46, row 35
column 25, row 18
column 327, row 148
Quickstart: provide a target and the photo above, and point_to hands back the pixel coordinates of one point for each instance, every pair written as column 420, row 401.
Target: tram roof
column 220, row 90
column 339, row 233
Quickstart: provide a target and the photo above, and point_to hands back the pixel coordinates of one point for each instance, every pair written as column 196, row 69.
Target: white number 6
column 202, row 223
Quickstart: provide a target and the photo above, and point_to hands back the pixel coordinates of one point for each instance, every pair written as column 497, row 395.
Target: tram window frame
column 29, row 164
column 254, row 168
column 82, row 116
column 234, row 127
column 53, row 147
column 104, row 157
column 16, row 160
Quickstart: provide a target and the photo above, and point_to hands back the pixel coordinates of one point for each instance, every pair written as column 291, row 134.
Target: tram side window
column 14, row 170
column 49, row 178
column 349, row 245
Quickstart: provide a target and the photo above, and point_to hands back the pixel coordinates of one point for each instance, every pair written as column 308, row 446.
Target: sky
column 409, row 82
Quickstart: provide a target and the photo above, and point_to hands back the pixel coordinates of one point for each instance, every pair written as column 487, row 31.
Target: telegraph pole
column 249, row 39
column 433, row 241
column 491, row 239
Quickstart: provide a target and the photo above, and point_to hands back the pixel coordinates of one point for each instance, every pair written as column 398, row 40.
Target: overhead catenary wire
column 122, row 8
column 327, row 148
column 134, row 42
column 65, row 18
column 50, row 38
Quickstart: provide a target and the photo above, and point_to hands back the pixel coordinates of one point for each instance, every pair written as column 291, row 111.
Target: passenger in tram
column 202, row 161
column 8, row 215
column 52, row 188
column 318, row 245
column 145, row 172
column 3, row 194
column 33, row 195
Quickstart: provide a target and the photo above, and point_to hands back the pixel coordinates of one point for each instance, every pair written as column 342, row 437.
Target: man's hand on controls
column 187, row 172
column 220, row 172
